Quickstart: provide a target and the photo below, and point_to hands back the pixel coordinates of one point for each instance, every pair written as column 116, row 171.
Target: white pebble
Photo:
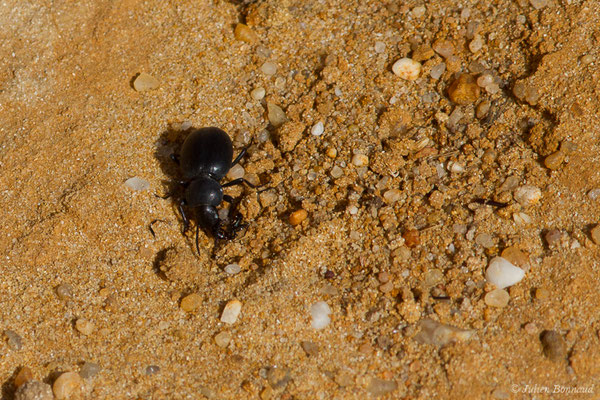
column 594, row 194
column 236, row 172
column 232, row 269
column 138, row 184
column 501, row 273
column 258, row 93
column 231, row 312
column 317, row 129
column 455, row 167
column 360, row 160
column 393, row 195
column 527, row 195
column 476, row 44
column 320, row 315
column 336, row 172
column 521, row 218
column 407, row 68
column 269, row 68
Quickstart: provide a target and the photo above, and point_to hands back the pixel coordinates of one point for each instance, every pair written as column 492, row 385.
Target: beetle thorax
column 204, row 191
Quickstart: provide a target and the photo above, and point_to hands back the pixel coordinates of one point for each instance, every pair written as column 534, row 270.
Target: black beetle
column 205, row 158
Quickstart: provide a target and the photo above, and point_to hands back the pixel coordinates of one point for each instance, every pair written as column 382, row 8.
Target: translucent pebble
column 476, row 44
column 482, row 109
column 555, row 347
column 437, row 71
column 527, row 195
column 276, row 115
column 152, row 369
column 594, row 194
column 244, row 33
column 393, row 195
column 485, row 240
column 236, row 172
column 352, row 210
column 492, row 88
column 360, row 160
column 15, row 342
column 231, row 312
column 269, row 68
column 145, row 82
column 455, row 167
column 419, row 11
column 380, row 387
column 191, row 302
column 222, row 339
column 317, row 129
column 501, row 273
column 485, row 80
column 137, row 184
column 34, row 390
column 444, row 48
column 258, row 93
column 407, row 68
column 438, row 334
column 84, row 326
column 67, row 385
column 64, row 291
column 497, row 298
column 232, row 269
column 25, row 375
column 521, row 218
column 320, row 312
column 595, row 234
column 537, row 4
column 89, row 370
column 336, row 172
column 379, row 47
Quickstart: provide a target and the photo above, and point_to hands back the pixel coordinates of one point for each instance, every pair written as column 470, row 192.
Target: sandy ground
column 390, row 241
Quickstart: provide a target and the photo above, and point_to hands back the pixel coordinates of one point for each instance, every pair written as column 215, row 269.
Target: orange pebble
column 298, row 216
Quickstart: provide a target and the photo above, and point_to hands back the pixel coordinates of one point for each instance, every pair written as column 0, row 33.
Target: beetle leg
column 239, row 157
column 228, row 198
column 186, row 221
column 238, row 181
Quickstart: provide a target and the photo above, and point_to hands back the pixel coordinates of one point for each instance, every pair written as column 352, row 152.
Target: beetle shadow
column 168, row 143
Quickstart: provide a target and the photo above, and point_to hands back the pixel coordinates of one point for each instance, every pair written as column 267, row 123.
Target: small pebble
column 464, row 90
column 594, row 194
column 516, row 256
column 89, row 370
column 191, row 302
column 267, row 198
column 258, row 93
column 317, row 129
column 392, row 196
column 25, row 375
column 542, row 293
column 331, row 152
column 554, row 160
column 485, row 240
column 502, row 273
column 152, row 369
column 482, row 109
column 444, row 48
column 231, row 312
column 278, row 378
column 222, row 339
column 320, row 312
column 419, row 11
column 476, row 44
column 437, row 71
column 84, row 326
column 336, row 172
column 245, row 34
column 276, row 115
column 145, row 82
column 236, row 172
column 360, row 160
column 14, row 340
column 232, row 269
column 379, row 47
column 521, row 218
column 537, row 4
column 527, row 195
column 553, row 237
column 67, row 385
column 34, row 390
column 269, row 68
column 554, row 345
column 595, row 234
column 497, row 298
column 433, row 332
column 531, row 328
column 310, row 348
column 137, row 184
column 411, row 238
column 298, row 216
column 64, row 291
column 407, row 68
column 381, row 387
